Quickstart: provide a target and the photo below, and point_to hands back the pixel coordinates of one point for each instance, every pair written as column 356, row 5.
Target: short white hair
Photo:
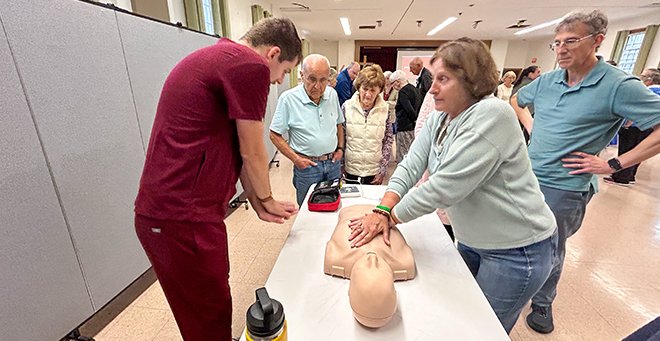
column 398, row 75
column 313, row 57
column 387, row 74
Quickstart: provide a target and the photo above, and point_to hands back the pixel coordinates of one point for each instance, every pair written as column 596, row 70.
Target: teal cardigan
column 480, row 174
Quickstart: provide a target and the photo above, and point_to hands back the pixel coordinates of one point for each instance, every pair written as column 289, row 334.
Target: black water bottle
column 265, row 319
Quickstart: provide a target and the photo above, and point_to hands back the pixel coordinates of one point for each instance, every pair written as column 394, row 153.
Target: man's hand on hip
column 586, row 163
column 337, row 155
column 302, row 163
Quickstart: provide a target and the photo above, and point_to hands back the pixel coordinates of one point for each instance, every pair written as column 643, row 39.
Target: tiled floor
column 610, row 285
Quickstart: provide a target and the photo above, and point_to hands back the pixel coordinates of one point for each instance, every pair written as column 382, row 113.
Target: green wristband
column 385, row 208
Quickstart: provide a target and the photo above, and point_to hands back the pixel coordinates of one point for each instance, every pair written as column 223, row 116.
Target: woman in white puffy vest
column 368, row 129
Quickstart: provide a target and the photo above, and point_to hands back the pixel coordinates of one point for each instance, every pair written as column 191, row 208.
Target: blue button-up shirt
column 582, row 118
column 312, row 128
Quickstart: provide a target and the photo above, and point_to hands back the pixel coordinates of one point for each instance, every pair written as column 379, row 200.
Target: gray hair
column 311, row 58
column 654, row 76
column 596, row 22
column 333, row 73
column 387, row 74
column 398, row 75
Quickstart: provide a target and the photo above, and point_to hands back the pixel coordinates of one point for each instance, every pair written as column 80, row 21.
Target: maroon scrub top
column 193, row 160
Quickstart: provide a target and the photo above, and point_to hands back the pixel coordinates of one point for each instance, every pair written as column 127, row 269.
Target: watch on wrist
column 614, row 164
column 340, row 148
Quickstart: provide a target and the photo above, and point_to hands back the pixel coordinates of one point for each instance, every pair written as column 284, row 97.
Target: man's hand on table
column 364, row 229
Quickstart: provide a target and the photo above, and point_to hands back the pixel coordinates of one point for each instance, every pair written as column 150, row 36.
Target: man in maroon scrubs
column 209, row 129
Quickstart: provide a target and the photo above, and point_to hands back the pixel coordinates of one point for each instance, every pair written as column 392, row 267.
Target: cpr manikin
column 372, row 268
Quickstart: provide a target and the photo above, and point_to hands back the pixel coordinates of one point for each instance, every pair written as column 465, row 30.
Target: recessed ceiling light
column 441, row 26
column 540, row 26
column 346, row 26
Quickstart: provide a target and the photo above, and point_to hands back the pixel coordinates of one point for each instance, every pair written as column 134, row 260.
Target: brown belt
column 317, row 158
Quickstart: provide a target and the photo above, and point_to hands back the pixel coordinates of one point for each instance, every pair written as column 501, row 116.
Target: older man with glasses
column 578, row 110
column 311, row 114
column 344, row 87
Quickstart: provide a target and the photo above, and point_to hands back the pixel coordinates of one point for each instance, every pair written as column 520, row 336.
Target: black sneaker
column 614, row 182
column 540, row 319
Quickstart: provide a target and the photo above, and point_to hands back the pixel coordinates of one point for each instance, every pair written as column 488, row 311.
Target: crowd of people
column 510, row 203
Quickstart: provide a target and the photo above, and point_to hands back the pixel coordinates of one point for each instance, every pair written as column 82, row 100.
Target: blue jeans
column 303, row 178
column 569, row 208
column 510, row 277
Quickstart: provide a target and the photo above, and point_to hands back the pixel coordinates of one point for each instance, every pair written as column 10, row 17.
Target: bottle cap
column 265, row 317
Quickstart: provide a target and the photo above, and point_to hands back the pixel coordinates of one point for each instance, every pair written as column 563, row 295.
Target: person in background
column 528, row 75
column 630, row 136
column 310, row 113
column 203, row 136
column 369, row 133
column 390, row 95
column 578, row 110
column 428, row 106
column 506, row 233
column 407, row 108
column 344, row 86
column 504, row 90
column 332, row 78
column 424, row 77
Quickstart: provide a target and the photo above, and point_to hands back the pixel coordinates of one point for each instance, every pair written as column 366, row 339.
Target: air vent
column 297, row 7
column 520, row 24
column 367, row 27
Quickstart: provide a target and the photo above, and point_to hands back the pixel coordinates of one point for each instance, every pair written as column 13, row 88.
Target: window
column 208, row 16
column 631, row 51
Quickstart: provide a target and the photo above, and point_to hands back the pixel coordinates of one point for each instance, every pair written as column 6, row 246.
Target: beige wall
column 327, row 48
column 152, row 8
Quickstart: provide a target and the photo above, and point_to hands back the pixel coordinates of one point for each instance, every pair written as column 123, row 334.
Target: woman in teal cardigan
column 479, row 172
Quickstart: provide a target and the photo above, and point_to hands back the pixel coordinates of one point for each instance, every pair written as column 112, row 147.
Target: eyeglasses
column 569, row 43
column 313, row 80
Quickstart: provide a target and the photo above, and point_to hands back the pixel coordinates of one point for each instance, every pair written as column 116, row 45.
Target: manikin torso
column 372, row 268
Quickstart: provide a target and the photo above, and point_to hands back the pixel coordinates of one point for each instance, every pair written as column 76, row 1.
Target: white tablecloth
column 443, row 302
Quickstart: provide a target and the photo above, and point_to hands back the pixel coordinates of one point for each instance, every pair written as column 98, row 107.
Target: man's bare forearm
column 644, row 150
column 524, row 116
column 283, row 147
column 255, row 158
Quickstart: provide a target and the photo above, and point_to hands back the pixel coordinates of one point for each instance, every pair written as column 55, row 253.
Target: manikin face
column 315, row 77
column 368, row 95
column 579, row 53
column 447, row 90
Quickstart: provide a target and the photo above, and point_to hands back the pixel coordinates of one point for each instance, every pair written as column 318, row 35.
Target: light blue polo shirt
column 582, row 118
column 312, row 128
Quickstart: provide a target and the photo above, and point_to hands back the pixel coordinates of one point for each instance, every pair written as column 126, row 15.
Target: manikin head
column 371, row 292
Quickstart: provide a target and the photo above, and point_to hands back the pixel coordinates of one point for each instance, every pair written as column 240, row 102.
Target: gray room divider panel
column 70, row 57
column 152, row 50
column 42, row 292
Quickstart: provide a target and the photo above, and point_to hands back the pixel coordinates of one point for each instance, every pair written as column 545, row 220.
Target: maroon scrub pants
column 192, row 266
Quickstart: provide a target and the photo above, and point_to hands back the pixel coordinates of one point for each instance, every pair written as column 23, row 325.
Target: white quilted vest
column 364, row 136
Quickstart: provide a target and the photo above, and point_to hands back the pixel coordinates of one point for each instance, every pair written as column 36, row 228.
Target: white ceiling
column 322, row 22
